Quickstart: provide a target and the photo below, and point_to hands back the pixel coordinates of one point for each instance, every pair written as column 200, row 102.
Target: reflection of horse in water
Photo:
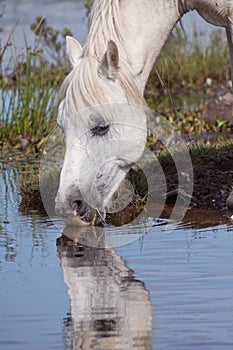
column 109, row 308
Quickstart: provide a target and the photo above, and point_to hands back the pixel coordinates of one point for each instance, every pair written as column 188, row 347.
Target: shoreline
column 213, row 180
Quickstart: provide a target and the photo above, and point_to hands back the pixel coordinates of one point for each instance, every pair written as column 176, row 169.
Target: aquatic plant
column 88, row 5
column 29, row 81
column 51, row 40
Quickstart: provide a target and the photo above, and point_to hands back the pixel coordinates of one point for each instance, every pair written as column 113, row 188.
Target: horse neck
column 139, row 28
column 146, row 29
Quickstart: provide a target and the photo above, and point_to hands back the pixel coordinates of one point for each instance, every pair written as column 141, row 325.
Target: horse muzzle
column 75, row 212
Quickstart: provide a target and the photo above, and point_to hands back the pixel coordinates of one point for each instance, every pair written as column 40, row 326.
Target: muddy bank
column 213, row 176
column 213, row 182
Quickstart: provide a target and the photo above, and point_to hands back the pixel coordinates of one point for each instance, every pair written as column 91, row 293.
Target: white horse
column 124, row 40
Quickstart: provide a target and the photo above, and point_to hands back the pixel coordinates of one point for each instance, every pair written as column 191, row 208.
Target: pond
column 165, row 290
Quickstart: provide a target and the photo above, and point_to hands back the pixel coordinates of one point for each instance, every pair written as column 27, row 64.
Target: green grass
column 177, row 86
column 186, row 66
column 182, row 63
column 27, row 106
column 28, row 89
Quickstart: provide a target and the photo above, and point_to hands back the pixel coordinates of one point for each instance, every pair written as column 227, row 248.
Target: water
column 59, row 13
column 167, row 290
column 189, row 276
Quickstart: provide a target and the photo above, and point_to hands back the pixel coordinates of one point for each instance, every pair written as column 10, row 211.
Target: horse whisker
column 101, row 216
column 93, row 221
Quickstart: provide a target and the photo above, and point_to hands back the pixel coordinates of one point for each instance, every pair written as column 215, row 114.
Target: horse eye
column 100, row 130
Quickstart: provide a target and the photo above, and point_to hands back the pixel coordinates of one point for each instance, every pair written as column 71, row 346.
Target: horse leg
column 229, row 32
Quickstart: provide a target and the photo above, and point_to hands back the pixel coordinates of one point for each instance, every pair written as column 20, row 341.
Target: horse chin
column 75, row 221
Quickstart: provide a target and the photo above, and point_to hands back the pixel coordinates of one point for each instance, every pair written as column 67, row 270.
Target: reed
column 28, row 89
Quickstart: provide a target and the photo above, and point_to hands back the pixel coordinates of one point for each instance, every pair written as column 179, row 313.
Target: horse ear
column 73, row 50
column 109, row 65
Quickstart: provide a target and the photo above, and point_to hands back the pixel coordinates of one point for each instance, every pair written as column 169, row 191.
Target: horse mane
column 105, row 25
column 81, row 87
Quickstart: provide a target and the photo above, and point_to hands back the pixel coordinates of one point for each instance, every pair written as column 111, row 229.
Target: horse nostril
column 77, row 205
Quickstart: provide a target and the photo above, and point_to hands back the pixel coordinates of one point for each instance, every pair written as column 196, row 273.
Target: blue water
column 57, row 294
column 189, row 276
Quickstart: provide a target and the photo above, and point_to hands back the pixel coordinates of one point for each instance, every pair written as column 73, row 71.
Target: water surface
column 167, row 290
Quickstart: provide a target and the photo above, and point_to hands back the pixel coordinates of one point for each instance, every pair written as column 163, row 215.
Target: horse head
column 104, row 121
